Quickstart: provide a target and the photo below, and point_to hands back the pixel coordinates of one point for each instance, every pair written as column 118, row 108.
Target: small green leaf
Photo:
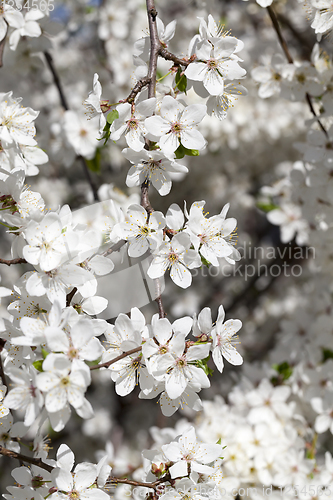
column 38, row 365
column 44, row 353
column 283, row 369
column 202, row 363
column 94, row 165
column 266, row 207
column 112, row 116
column 205, row 261
column 181, row 151
column 181, row 81
column 219, row 441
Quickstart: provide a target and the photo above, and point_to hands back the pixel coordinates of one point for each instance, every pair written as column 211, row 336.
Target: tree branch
column 56, row 79
column 2, row 373
column 13, row 261
column 121, row 356
column 23, row 458
column 114, row 480
column 155, row 46
column 2, row 48
column 64, row 103
column 141, row 84
column 177, row 60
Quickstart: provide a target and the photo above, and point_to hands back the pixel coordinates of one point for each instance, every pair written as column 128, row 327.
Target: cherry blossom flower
column 154, row 167
column 25, row 394
column 46, row 242
column 82, row 134
column 323, row 20
column 63, row 380
column 188, row 452
column 215, row 65
column 25, row 26
column 270, row 77
column 141, row 231
column 94, row 105
column 16, row 122
column 224, row 339
column 80, row 483
column 176, row 256
column 175, row 125
column 132, row 123
column 209, row 236
column 176, row 367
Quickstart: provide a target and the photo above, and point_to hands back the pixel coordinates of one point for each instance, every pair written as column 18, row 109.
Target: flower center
column 65, row 381
column 172, row 257
column 176, row 128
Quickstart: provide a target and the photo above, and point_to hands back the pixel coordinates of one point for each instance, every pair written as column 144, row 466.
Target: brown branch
column 13, row 261
column 69, row 296
column 89, row 178
column 282, row 41
column 155, row 485
column 177, row 60
column 155, row 46
column 145, row 203
column 155, row 50
column 23, row 458
column 141, row 84
column 285, row 49
column 2, row 48
column 64, row 103
column 121, row 356
column 2, row 373
column 56, row 79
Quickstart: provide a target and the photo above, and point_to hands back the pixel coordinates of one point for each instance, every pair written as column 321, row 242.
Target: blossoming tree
column 60, row 345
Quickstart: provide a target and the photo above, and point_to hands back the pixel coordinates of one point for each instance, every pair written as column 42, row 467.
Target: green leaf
column 283, row 369
column 266, row 207
column 38, row 365
column 205, row 261
column 44, row 353
column 202, row 363
column 95, row 164
column 219, row 441
column 112, row 116
column 181, row 81
column 181, row 151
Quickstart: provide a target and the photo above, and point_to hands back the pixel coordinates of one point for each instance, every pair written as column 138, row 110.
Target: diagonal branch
column 64, row 103
column 13, row 261
column 121, row 356
column 23, row 458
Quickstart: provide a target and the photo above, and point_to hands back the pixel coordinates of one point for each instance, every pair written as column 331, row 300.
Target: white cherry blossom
column 175, row 125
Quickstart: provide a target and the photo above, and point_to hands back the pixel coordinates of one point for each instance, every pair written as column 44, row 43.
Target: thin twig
column 69, row 296
column 23, row 458
column 285, row 49
column 2, row 373
column 13, row 261
column 2, row 48
column 177, row 60
column 121, row 356
column 64, row 103
column 155, row 50
column 114, row 480
column 89, row 179
column 141, row 84
column 282, row 41
column 56, row 80
column 155, row 46
column 145, row 203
